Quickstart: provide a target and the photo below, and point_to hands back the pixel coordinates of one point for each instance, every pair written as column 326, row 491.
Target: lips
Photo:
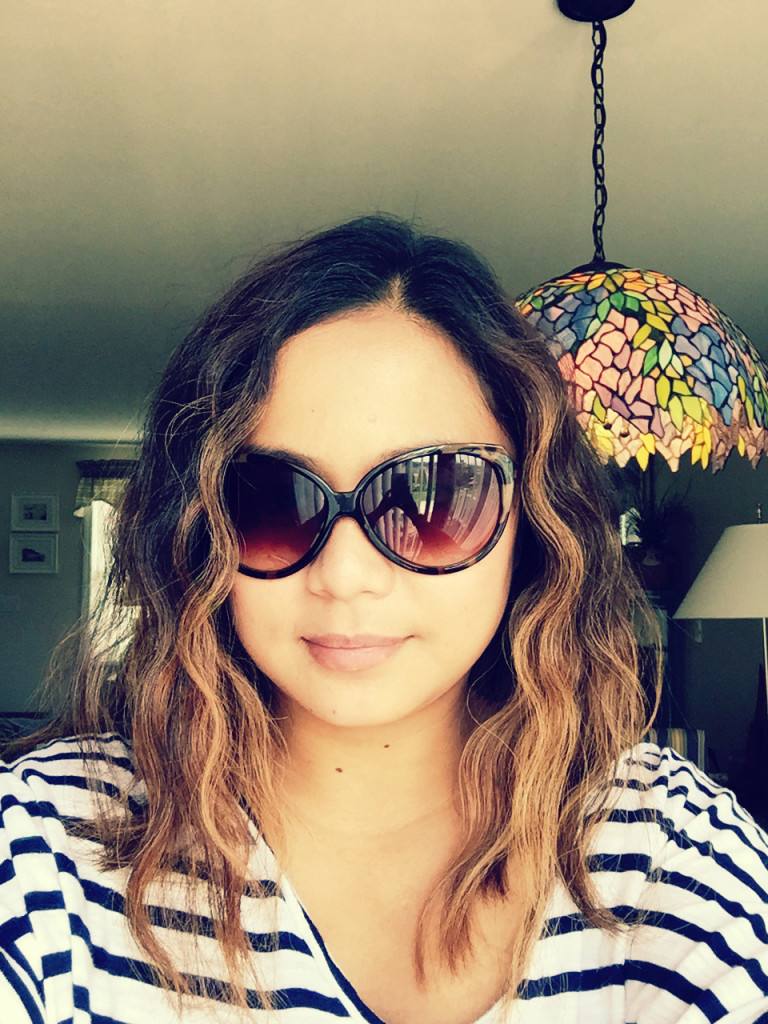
column 342, row 653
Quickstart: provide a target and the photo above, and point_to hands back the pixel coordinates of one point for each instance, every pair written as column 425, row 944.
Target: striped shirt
column 677, row 858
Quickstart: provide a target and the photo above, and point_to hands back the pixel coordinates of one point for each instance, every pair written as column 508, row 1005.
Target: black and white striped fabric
column 678, row 859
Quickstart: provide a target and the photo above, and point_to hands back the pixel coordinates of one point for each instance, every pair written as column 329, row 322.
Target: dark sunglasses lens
column 435, row 510
column 277, row 511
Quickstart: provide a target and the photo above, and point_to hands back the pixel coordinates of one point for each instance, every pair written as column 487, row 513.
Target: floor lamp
column 733, row 582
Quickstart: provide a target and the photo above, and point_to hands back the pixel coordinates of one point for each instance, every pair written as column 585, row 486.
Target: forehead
column 372, row 381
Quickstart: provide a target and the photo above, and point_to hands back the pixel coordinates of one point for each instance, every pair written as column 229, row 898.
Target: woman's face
column 352, row 639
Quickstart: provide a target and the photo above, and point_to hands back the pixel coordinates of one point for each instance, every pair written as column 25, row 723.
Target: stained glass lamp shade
column 653, row 367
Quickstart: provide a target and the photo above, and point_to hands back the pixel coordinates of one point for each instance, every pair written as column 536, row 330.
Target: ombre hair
column 556, row 698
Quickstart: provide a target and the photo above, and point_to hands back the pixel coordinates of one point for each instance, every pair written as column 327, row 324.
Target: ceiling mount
column 593, row 10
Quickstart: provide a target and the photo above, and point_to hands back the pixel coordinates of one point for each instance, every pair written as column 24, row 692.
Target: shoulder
column 74, row 751
column 671, row 810
column 660, row 787
column 105, row 756
column 702, row 914
column 60, row 781
column 110, row 747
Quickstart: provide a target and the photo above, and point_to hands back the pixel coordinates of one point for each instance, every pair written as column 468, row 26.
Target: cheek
column 495, row 586
column 256, row 613
column 472, row 602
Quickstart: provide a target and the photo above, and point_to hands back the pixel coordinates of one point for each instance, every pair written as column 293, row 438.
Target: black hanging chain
column 598, row 154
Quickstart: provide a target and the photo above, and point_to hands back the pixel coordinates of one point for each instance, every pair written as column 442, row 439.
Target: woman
column 363, row 753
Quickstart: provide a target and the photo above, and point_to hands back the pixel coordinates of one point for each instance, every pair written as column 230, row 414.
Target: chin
column 367, row 706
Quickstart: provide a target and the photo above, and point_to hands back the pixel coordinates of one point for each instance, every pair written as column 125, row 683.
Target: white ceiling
column 152, row 148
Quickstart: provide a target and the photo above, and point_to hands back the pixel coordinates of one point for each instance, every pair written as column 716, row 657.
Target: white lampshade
column 733, row 582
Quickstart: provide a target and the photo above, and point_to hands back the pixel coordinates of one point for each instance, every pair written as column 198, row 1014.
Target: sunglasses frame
column 349, row 504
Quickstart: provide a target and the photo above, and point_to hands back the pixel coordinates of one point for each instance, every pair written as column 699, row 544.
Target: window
column 101, row 486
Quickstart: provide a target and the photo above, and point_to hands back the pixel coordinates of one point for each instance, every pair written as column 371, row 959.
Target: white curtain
column 101, row 486
column 96, row 519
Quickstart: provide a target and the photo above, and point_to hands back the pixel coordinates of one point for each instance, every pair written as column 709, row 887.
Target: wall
column 36, row 610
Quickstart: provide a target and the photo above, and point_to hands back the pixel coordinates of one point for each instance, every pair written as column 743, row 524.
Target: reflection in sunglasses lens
column 434, row 510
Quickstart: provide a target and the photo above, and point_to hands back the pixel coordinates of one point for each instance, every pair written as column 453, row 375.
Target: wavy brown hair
column 556, row 696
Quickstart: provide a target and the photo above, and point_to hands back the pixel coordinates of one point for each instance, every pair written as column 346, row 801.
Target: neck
column 377, row 779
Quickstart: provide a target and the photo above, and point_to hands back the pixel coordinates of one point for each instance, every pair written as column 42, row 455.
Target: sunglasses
column 431, row 510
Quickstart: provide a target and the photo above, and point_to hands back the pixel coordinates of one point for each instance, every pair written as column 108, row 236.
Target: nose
column 349, row 565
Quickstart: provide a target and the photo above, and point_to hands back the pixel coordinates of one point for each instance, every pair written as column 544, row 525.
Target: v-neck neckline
column 311, row 935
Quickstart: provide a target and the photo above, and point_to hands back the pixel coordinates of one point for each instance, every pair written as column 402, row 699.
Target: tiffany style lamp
column 652, row 367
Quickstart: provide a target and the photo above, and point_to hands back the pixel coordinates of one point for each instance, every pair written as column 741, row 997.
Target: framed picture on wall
column 34, row 552
column 38, row 512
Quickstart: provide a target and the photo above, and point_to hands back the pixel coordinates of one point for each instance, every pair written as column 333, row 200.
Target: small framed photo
column 38, row 512
column 34, row 553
